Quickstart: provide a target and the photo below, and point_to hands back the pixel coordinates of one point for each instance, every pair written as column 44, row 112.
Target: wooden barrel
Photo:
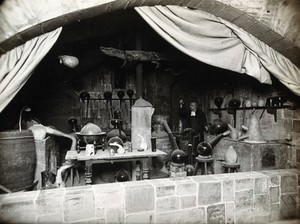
column 17, row 159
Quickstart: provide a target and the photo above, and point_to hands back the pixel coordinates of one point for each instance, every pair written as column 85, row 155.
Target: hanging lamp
column 69, row 61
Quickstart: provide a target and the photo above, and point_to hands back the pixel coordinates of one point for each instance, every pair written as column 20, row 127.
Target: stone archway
column 275, row 22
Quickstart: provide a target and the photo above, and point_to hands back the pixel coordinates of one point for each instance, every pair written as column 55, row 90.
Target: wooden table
column 105, row 157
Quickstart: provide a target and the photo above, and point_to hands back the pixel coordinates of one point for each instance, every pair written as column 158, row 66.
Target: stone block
column 227, row 190
column 261, row 205
column 244, row 21
column 167, row 204
column 209, row 193
column 204, row 178
column 186, row 187
column 114, row 203
column 298, row 202
column 244, row 206
column 18, row 211
column 114, row 215
column 50, row 218
column 90, row 221
column 274, row 194
column 297, row 113
column 274, row 181
column 288, row 113
column 244, row 216
column 243, row 184
column 229, row 213
column 146, row 217
column 212, row 7
column 288, row 206
column 289, row 184
column 216, row 213
column 139, row 198
column 195, row 215
column 296, row 171
column 50, row 201
column 261, row 219
column 108, row 196
column 164, row 187
column 99, row 205
column 188, row 201
column 296, row 126
column 296, row 139
column 274, row 212
column 273, row 178
column 78, row 205
column 261, row 185
column 230, row 13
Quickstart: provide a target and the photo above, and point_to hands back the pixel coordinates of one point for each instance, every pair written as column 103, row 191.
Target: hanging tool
column 218, row 102
column 130, row 94
column 233, row 104
column 121, row 95
column 85, row 97
column 108, row 97
column 99, row 106
column 271, row 103
column 73, row 123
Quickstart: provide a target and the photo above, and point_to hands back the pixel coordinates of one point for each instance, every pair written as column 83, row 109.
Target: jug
column 141, row 113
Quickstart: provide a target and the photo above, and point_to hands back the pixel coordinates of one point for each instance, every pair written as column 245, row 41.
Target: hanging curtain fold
column 217, row 42
column 17, row 65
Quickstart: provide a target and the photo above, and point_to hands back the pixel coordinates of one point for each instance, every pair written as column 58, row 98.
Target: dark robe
column 197, row 123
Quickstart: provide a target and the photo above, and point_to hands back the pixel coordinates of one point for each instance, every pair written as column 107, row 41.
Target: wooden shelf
column 251, row 108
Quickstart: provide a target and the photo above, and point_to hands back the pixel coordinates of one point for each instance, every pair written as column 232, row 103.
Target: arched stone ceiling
column 275, row 22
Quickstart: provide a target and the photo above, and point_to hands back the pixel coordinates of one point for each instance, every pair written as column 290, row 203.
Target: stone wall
column 259, row 197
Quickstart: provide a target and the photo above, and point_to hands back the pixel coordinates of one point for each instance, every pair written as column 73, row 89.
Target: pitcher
column 141, row 113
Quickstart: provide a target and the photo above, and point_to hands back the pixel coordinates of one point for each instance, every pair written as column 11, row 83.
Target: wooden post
column 139, row 69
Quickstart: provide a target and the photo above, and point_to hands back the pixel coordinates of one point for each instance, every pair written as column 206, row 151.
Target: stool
column 231, row 167
column 204, row 161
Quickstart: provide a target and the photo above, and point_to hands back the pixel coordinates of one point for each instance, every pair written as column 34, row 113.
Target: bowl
column 90, row 133
column 114, row 140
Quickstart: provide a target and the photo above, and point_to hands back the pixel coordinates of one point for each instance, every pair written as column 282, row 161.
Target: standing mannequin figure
column 197, row 121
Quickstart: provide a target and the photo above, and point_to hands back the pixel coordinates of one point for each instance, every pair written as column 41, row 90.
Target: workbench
column 104, row 156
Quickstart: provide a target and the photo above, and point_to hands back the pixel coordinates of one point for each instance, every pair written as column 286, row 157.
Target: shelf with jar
column 234, row 104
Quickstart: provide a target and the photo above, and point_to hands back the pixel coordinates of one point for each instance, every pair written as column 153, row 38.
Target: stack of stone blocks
column 250, row 197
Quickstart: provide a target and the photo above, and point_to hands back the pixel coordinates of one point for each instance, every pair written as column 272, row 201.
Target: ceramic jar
column 248, row 102
column 260, row 102
column 231, row 156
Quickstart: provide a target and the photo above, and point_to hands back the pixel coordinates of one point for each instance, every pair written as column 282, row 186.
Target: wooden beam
column 135, row 55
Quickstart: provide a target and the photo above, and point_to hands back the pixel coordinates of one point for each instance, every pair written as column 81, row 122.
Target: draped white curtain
column 17, row 65
column 217, row 42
